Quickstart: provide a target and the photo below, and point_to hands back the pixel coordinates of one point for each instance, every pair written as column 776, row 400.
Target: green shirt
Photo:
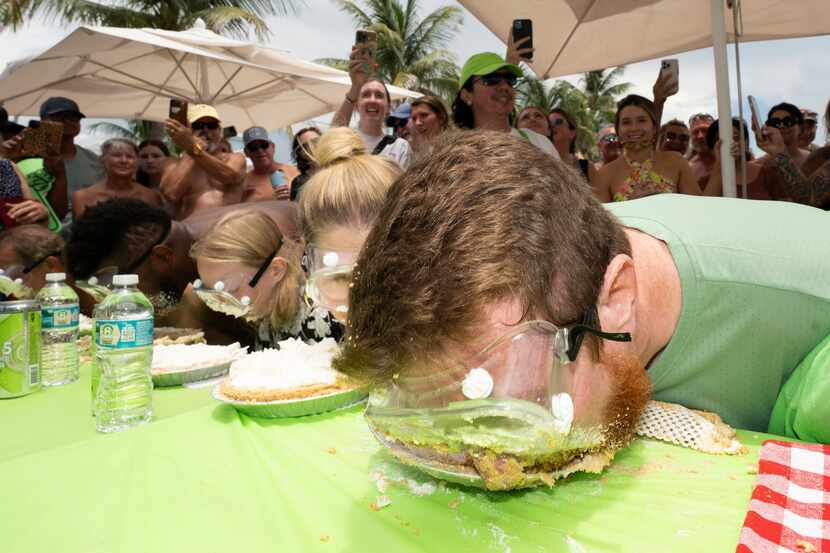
column 755, row 279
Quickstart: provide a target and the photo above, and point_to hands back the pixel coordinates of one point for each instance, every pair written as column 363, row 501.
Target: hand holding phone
column 178, row 111
column 366, row 44
column 753, row 108
column 670, row 73
column 43, row 139
column 522, row 38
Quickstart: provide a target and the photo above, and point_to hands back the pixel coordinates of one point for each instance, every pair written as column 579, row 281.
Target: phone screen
column 178, row 110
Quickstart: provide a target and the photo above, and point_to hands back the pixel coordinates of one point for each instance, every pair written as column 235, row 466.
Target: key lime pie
column 295, row 371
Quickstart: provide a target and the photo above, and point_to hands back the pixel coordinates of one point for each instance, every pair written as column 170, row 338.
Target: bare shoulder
column 673, row 158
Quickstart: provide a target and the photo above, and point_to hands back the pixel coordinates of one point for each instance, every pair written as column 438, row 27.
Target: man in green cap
column 487, row 96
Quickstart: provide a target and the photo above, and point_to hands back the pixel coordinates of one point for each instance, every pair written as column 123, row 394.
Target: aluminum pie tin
column 295, row 407
column 177, row 378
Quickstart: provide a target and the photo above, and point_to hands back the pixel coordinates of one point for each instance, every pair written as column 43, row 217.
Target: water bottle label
column 59, row 317
column 113, row 334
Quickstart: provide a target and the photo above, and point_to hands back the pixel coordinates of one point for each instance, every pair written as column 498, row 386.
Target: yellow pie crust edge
column 282, row 394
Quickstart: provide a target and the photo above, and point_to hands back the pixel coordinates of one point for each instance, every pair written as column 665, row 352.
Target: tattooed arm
column 813, row 190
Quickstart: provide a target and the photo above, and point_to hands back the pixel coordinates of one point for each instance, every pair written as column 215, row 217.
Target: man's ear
column 278, row 269
column 162, row 256
column 54, row 265
column 617, row 302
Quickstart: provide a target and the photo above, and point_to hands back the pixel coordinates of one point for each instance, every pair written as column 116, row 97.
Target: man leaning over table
column 723, row 298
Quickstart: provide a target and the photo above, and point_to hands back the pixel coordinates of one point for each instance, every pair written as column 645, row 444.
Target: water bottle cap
column 55, row 277
column 125, row 280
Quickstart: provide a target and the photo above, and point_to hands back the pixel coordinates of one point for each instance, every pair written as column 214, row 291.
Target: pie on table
column 294, row 371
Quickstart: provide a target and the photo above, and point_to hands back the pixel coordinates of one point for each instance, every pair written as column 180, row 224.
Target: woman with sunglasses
column 120, row 159
column 373, row 102
column 563, row 133
column 641, row 170
column 486, row 99
column 789, row 121
column 248, row 269
column 337, row 210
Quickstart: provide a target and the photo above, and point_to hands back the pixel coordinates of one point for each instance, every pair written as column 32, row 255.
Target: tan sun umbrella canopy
column 574, row 36
column 132, row 73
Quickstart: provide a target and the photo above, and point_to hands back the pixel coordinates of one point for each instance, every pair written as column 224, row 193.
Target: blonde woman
column 248, row 269
column 338, row 206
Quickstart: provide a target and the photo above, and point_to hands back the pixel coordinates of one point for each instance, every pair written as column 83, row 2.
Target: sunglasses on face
column 678, row 137
column 256, row 146
column 779, row 123
column 210, row 125
column 609, row 138
column 495, row 79
column 557, row 122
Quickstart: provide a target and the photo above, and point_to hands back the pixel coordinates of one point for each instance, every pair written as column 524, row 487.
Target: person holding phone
column 373, row 102
column 789, row 121
column 268, row 179
column 203, row 177
column 17, row 205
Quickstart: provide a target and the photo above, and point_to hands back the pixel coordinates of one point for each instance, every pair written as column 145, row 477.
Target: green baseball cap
column 484, row 64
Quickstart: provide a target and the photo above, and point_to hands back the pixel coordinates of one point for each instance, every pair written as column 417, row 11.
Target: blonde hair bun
column 336, row 145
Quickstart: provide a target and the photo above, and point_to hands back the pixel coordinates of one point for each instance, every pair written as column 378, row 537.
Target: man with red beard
column 487, row 240
column 269, row 179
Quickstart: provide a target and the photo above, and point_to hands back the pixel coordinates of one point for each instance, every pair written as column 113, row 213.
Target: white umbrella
column 574, row 36
column 132, row 73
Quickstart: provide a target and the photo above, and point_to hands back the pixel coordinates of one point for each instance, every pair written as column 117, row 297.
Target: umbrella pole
column 724, row 108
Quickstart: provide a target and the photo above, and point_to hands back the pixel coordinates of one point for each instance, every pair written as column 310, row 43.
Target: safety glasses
column 330, row 277
column 609, row 138
column 221, row 297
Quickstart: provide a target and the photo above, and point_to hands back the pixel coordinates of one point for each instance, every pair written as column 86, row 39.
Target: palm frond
column 233, row 21
column 337, row 63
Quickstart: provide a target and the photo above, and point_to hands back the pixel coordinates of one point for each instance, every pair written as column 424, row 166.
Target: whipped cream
column 181, row 357
column 294, row 365
column 478, row 384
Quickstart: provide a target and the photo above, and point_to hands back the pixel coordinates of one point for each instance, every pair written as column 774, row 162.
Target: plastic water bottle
column 59, row 331
column 124, row 355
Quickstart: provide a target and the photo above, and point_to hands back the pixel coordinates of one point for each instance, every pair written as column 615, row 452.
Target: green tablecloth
column 203, row 478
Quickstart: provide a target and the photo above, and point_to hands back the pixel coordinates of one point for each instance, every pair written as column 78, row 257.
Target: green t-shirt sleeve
column 802, row 410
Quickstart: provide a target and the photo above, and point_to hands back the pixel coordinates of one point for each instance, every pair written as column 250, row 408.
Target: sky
column 796, row 70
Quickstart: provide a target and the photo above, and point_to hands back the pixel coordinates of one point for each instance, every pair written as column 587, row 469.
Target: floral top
column 643, row 181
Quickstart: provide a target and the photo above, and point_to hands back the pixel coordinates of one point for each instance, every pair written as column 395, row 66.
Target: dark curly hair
column 117, row 231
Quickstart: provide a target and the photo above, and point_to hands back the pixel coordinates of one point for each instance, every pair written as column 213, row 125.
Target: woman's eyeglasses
column 785, row 123
column 210, row 125
column 609, row 138
column 494, row 79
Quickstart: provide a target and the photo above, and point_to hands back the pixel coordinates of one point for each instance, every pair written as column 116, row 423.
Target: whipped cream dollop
column 181, row 357
column 478, row 384
column 294, row 365
column 562, row 408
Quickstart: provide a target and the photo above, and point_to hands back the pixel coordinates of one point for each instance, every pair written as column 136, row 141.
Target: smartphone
column 178, row 111
column 753, row 108
column 229, row 132
column 523, row 28
column 671, row 67
column 367, row 40
column 42, row 139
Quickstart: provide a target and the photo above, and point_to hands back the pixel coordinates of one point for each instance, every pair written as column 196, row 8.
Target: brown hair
column 482, row 218
column 249, row 238
column 437, row 106
column 350, row 186
column 571, row 125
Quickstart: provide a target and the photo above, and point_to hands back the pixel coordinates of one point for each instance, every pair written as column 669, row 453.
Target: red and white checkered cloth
column 789, row 511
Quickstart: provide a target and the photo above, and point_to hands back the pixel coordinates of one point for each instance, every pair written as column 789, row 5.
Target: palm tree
column 411, row 50
column 232, row 17
column 601, row 91
column 134, row 129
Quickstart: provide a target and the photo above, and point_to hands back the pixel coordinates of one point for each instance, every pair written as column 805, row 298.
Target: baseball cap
column 401, row 113
column 484, row 64
column 255, row 133
column 197, row 111
column 809, row 115
column 59, row 104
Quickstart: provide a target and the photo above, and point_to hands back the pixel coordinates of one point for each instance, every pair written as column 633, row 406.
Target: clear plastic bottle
column 59, row 331
column 124, row 354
